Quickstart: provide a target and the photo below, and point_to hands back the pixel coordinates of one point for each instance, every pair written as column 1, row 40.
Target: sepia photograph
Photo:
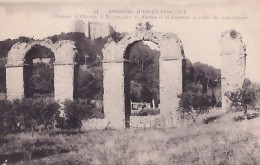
column 129, row 82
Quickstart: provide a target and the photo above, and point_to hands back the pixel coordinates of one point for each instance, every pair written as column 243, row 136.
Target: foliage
column 36, row 112
column 193, row 102
column 86, row 46
column 90, row 83
column 143, row 71
column 42, row 80
column 28, row 114
column 244, row 97
column 5, row 108
column 146, row 95
column 207, row 71
column 2, row 76
column 49, row 112
column 32, row 115
column 117, row 36
column 74, row 113
column 207, row 76
column 39, row 76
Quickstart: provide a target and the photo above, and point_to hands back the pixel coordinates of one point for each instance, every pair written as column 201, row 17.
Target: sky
column 199, row 35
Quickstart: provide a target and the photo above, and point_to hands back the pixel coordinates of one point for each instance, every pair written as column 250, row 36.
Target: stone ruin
column 233, row 63
column 64, row 52
column 170, row 75
column 114, row 100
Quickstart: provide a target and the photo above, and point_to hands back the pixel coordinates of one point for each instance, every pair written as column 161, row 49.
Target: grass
column 223, row 141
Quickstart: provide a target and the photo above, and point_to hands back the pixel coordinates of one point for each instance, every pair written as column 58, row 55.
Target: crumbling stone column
column 113, row 83
column 170, row 88
column 114, row 104
column 14, row 71
column 233, row 58
column 65, row 54
column 170, row 82
column 14, row 82
column 63, row 82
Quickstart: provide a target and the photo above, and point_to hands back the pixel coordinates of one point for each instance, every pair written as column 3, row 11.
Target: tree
column 144, row 70
column 244, row 97
column 29, row 114
column 213, row 99
column 75, row 112
column 146, row 95
column 5, row 108
column 193, row 102
column 90, row 83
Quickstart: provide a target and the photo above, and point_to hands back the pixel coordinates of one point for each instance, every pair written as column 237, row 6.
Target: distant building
column 136, row 107
column 80, row 26
column 93, row 30
column 97, row 30
column 41, row 60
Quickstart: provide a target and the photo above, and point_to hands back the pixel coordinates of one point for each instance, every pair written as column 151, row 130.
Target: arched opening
column 141, row 80
column 39, row 72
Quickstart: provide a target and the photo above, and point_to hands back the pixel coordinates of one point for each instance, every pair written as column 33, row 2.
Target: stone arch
column 64, row 53
column 127, row 80
column 233, row 63
column 171, row 50
column 30, row 70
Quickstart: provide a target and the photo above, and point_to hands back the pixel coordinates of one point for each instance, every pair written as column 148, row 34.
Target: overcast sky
column 200, row 37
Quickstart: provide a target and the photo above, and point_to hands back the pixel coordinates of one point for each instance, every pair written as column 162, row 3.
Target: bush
column 193, row 104
column 32, row 114
column 49, row 112
column 75, row 112
column 244, row 97
column 5, row 108
column 28, row 114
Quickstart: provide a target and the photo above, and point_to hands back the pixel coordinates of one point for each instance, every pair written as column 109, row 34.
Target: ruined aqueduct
column 233, row 55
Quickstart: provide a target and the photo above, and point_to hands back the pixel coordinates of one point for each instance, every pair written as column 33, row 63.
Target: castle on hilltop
column 93, row 30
